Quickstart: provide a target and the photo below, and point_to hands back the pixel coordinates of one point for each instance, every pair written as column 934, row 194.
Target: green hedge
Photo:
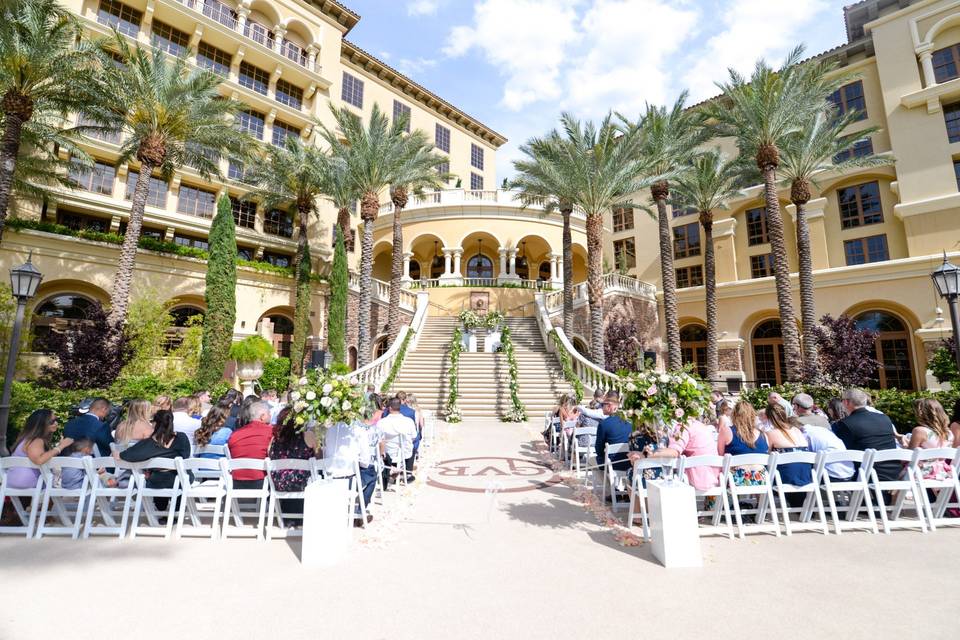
column 893, row 402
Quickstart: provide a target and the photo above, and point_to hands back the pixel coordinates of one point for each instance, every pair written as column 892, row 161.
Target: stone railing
column 613, row 284
column 590, row 375
column 381, row 292
column 502, row 197
column 432, row 283
column 378, row 370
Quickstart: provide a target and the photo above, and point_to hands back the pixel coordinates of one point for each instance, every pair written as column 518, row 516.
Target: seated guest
column 824, row 439
column 273, row 400
column 195, row 410
column 724, row 413
column 203, row 397
column 932, row 432
column 776, row 398
column 836, row 411
column 344, row 448
column 743, row 436
column 377, row 407
column 137, row 425
column 183, row 421
column 251, row 441
column 91, row 425
column 231, row 402
column 804, row 413
column 613, row 429
column 786, row 436
column 34, row 443
column 161, row 403
column 698, row 439
column 71, row 478
column 244, row 416
column 863, row 429
column 955, row 421
column 165, row 442
column 398, row 434
column 289, row 443
column 716, row 397
column 213, row 430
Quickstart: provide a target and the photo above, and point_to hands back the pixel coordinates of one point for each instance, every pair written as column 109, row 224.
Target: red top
column 250, row 441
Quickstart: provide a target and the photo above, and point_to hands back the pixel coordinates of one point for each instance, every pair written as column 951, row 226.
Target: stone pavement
column 526, row 562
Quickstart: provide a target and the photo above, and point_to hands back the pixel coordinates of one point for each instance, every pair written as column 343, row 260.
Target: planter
column 326, row 523
column 248, row 373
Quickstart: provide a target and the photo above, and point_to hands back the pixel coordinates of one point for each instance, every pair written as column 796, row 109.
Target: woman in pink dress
column 698, row 439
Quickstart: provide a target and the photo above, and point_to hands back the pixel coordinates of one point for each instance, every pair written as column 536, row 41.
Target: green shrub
column 943, row 363
column 276, row 374
column 27, row 397
column 220, row 295
column 337, row 323
column 146, row 329
column 251, row 349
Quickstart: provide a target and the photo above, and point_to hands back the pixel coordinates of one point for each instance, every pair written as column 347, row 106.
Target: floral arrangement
column 517, row 412
column 452, row 410
column 325, row 398
column 567, row 365
column 472, row 320
column 397, row 363
column 653, row 399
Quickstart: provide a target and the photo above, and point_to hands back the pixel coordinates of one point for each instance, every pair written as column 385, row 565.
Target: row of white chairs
column 202, row 501
column 852, row 504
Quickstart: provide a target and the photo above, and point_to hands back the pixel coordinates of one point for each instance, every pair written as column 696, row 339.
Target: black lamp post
column 947, row 281
column 24, row 281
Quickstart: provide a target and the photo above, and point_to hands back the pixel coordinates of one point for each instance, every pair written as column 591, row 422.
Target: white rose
column 346, row 405
column 326, row 401
column 664, row 377
column 631, row 387
column 303, row 381
column 327, row 388
column 353, row 380
column 311, row 395
column 294, row 395
column 299, row 406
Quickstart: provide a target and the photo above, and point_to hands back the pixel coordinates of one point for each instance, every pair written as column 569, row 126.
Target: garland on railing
column 567, row 365
column 456, row 346
column 397, row 363
column 517, row 413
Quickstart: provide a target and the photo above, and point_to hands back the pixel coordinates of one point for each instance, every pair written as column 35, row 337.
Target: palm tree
column 172, row 115
column 543, row 179
column 418, row 171
column 761, row 112
column 296, row 176
column 43, row 76
column 669, row 136
column 812, row 150
column 373, row 158
column 340, row 193
column 708, row 183
column 607, row 168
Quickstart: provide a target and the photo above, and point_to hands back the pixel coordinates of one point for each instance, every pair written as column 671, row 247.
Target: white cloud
column 410, row 66
column 526, row 40
column 750, row 29
column 422, row 7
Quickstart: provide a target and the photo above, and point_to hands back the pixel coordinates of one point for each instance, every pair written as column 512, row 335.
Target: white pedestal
column 673, row 524
column 491, row 342
column 326, row 528
column 470, row 342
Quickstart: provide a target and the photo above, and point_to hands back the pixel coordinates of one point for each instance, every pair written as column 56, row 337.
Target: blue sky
column 516, row 64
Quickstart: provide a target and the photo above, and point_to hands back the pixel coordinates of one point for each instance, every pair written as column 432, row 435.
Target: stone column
column 279, row 32
column 312, row 52
column 243, row 12
column 926, row 63
column 503, row 274
column 725, row 249
column 457, row 254
column 452, row 274
column 553, row 266
column 446, row 262
column 406, row 267
column 558, row 278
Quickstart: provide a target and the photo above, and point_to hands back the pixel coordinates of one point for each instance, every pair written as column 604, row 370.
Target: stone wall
column 378, row 320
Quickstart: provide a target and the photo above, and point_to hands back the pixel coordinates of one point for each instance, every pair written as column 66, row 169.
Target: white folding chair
column 203, row 489
column 234, row 508
column 582, row 454
column 67, row 503
column 146, row 496
column 614, row 479
column 218, row 450
column 28, row 516
column 902, row 486
column 275, row 507
column 811, row 489
column 378, row 462
column 854, row 492
column 718, row 493
column 945, row 485
column 400, row 466
column 104, row 498
column 638, row 489
column 762, row 492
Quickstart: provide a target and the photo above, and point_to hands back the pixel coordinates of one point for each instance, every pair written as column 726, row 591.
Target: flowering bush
column 325, row 398
column 471, row 320
column 654, row 399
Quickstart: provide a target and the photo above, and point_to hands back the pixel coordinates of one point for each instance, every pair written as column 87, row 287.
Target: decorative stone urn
column 248, row 373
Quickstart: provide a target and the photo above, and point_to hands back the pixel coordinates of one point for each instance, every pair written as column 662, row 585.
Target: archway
column 428, row 257
column 282, row 322
column 581, row 346
column 382, row 261
column 693, row 347
column 183, row 317
column 380, row 347
column 892, row 349
column 531, row 251
column 57, row 313
column 769, row 363
column 480, row 255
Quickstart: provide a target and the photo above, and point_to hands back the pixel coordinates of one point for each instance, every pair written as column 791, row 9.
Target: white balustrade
column 378, row 370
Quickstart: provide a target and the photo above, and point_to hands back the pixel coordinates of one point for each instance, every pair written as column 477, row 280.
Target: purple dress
column 22, row 477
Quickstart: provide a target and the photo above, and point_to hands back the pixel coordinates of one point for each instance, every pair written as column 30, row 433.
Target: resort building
column 876, row 234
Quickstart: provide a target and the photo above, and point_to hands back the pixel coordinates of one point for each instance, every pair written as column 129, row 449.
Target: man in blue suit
column 90, row 425
column 613, row 430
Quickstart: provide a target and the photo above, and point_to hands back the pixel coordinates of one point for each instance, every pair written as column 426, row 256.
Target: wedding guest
column 824, row 439
column 231, row 402
column 613, row 429
column 346, row 447
column 71, row 478
column 776, row 398
column 165, row 442
column 213, row 431
column 137, row 425
column 803, row 410
column 289, row 443
column 161, row 403
column 933, row 426
column 787, row 436
column 195, row 407
column 836, row 411
column 955, row 421
column 698, row 439
column 724, row 413
column 244, row 416
column 398, row 434
column 204, row 398
column 863, row 429
column 743, row 436
column 251, row 441
column 91, row 425
column 183, row 420
column 34, row 443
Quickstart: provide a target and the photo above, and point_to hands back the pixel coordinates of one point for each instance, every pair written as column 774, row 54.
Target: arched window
column 693, row 347
column 438, row 267
column 58, row 312
column 479, row 266
column 522, row 268
column 282, row 334
column 581, row 346
column 768, row 359
column 544, row 271
column 414, row 270
column 380, row 348
column 892, row 349
column 182, row 318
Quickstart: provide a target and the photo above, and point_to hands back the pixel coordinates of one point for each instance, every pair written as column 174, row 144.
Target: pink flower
column 652, row 390
column 678, row 413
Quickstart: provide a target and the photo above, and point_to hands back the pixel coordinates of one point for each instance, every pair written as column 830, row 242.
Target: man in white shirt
column 344, row 446
column 398, row 434
column 183, row 422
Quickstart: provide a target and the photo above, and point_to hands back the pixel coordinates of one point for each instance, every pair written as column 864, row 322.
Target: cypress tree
column 337, row 321
column 220, row 295
column 301, row 313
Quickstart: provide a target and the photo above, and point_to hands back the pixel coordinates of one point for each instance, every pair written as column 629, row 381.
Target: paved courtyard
column 526, row 562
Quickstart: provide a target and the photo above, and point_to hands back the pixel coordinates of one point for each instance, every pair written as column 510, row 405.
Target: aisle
column 526, row 563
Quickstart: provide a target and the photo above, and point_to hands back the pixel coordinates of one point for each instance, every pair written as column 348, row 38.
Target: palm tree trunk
column 396, row 276
column 9, row 150
column 343, row 221
column 120, row 296
column 710, row 280
column 301, row 303
column 369, row 207
column 669, row 278
column 781, row 272
column 567, row 273
column 595, row 285
column 808, row 313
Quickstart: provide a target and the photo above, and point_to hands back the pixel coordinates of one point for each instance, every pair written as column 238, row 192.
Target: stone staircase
column 484, row 377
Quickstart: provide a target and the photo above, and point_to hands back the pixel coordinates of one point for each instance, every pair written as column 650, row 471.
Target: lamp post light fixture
column 947, row 281
column 24, row 281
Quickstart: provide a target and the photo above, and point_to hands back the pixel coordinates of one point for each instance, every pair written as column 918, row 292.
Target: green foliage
column 567, row 365
column 517, row 412
column 27, row 397
column 276, row 374
column 251, row 349
column 943, row 363
column 471, row 320
column 265, row 267
column 337, row 323
column 453, row 413
column 218, row 389
column 8, row 314
column 220, row 295
column 147, row 323
column 149, row 387
column 397, row 363
column 301, row 313
column 186, row 357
